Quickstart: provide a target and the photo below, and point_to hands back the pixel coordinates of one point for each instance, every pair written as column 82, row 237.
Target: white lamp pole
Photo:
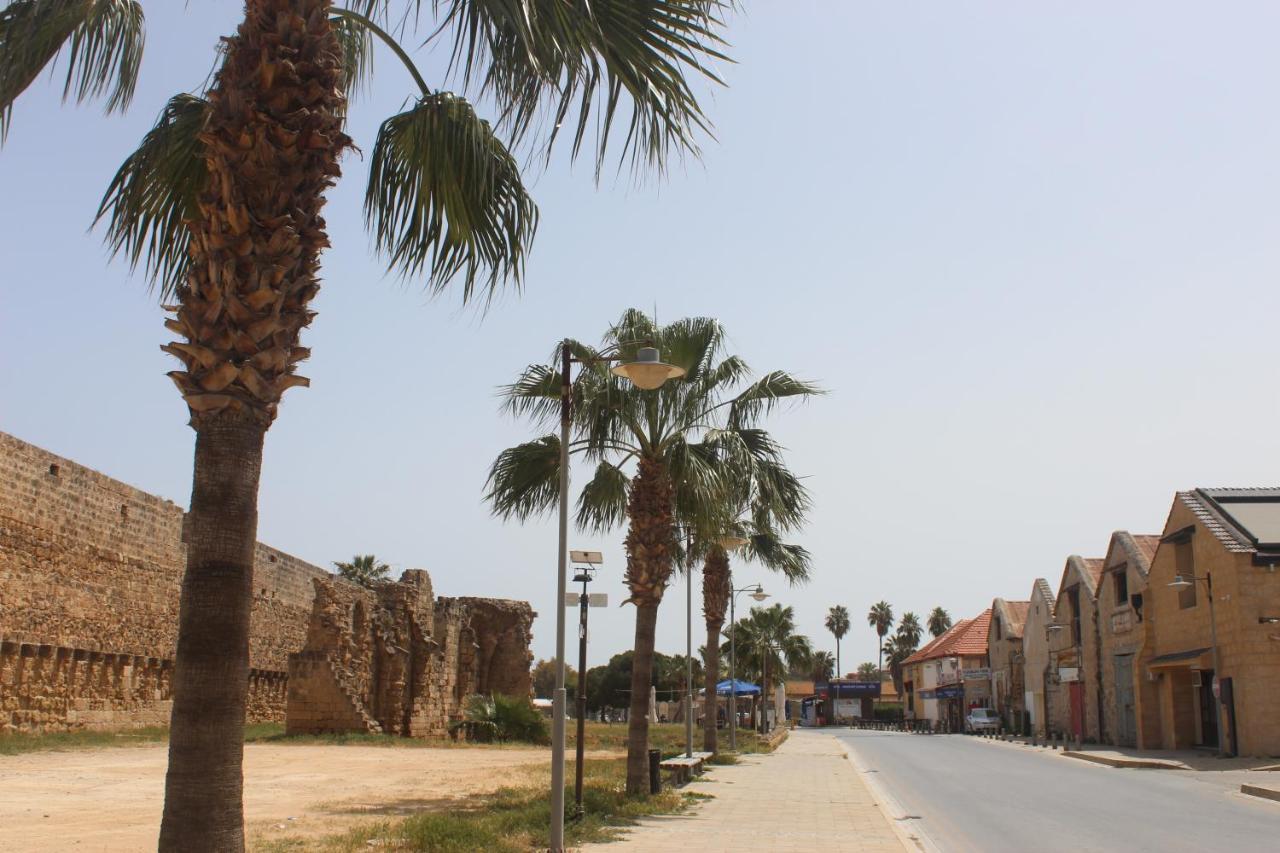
column 759, row 595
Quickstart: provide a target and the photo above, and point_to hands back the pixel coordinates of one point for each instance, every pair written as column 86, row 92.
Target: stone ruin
column 396, row 660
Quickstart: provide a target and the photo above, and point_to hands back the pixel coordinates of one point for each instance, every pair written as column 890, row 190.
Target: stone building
column 90, row 574
column 1230, row 537
column 397, row 660
column 1035, row 654
column 950, row 674
column 1004, row 647
column 1071, row 688
column 1122, row 622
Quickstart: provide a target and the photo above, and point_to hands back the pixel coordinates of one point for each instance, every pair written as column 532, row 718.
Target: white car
column 982, row 720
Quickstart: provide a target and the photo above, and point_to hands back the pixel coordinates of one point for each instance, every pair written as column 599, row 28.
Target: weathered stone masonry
column 90, row 574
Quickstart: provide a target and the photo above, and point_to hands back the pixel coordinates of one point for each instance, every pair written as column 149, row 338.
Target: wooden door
column 1126, row 722
column 1077, row 710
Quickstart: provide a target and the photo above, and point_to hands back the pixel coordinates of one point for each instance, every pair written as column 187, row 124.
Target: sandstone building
column 90, row 572
column 1035, row 655
column 1122, row 623
column 1004, row 645
column 950, row 674
column 1071, row 688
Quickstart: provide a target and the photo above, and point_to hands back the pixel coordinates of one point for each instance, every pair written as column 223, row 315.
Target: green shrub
column 503, row 718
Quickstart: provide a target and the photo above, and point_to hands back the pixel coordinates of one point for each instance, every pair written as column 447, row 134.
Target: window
column 1073, row 598
column 1120, row 580
column 999, row 632
column 1136, row 601
column 1184, row 565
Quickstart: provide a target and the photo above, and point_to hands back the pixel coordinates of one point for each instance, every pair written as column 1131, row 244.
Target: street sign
column 591, row 558
column 977, row 674
column 594, row 599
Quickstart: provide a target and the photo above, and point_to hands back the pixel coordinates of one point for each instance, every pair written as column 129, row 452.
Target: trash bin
column 655, row 771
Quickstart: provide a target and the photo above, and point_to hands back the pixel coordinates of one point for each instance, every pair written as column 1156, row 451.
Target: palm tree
column 880, row 617
column 909, row 629
column 768, row 645
column 223, row 201
column 897, row 649
column 364, row 570
column 654, row 451
column 822, row 666
column 939, row 622
column 837, row 622
column 868, row 672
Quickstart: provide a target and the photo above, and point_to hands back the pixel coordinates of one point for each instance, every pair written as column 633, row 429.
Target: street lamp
column 647, row 372
column 759, row 595
column 1181, row 582
column 591, row 560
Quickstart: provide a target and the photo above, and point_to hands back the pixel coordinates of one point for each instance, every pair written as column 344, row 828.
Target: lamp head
column 731, row 542
column 648, row 372
column 1053, row 628
column 759, row 594
column 1179, row 582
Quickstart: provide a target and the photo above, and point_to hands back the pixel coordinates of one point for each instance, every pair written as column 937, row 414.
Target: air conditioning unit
column 1195, row 678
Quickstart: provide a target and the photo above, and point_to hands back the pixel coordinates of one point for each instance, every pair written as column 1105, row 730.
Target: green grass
column 17, row 744
column 668, row 737
column 512, row 819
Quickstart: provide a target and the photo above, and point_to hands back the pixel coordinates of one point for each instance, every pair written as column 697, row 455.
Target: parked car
column 982, row 720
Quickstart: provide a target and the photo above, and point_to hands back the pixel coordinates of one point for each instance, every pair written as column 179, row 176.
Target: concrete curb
column 1259, row 791
column 1123, row 762
column 911, row 834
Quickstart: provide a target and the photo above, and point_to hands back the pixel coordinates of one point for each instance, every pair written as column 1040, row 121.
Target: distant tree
column 837, row 622
column 767, row 636
column 939, row 622
column 909, row 630
column 868, row 672
column 544, row 680
column 822, row 666
column 364, row 570
column 880, row 617
column 897, row 649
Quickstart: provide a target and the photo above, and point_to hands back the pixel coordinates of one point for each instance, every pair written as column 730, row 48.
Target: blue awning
column 741, row 688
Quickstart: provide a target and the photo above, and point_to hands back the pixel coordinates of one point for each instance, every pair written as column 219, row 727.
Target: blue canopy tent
column 740, row 688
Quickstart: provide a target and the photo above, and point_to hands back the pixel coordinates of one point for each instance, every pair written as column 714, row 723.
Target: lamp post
column 591, row 559
column 647, row 372
column 1181, row 582
column 759, row 595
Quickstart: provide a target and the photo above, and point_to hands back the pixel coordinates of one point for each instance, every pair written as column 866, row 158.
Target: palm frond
column 791, row 561
column 154, row 194
column 602, row 504
column 525, row 480
column 761, row 396
column 577, row 61
column 356, row 44
column 103, row 40
column 445, row 197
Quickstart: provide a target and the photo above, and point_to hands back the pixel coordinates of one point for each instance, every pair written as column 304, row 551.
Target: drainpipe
column 1097, row 672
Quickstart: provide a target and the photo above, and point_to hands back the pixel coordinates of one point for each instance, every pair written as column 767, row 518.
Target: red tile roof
column 1147, row 545
column 966, row 637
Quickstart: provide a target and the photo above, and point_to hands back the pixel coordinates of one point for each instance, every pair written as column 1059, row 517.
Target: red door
column 1077, row 710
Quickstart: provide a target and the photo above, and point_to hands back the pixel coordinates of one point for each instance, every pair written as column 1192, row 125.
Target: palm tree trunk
column 203, row 804
column 716, row 589
column 649, row 544
column 641, row 680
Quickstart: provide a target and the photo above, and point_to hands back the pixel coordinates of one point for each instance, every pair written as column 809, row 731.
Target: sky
column 1025, row 247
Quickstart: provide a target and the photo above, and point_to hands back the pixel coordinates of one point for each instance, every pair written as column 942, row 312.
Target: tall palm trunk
column 716, row 589
column 271, row 147
column 203, row 808
column 649, row 553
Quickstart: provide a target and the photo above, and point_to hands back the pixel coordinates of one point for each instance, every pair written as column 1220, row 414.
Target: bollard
column 1034, row 739
column 655, row 773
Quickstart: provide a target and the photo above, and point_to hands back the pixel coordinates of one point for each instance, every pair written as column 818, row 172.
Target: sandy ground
column 110, row 799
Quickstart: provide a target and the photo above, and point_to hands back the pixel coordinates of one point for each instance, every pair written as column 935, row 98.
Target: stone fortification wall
column 396, row 660
column 90, row 574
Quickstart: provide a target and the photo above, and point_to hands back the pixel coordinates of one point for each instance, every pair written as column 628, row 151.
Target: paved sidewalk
column 806, row 796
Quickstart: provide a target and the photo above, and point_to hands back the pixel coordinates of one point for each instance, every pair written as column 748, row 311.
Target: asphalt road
column 967, row 794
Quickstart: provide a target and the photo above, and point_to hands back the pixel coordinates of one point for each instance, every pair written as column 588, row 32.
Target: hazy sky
column 1025, row 246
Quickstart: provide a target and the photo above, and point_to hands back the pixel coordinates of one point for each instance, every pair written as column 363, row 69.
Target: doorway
column 1077, row 710
column 1208, row 719
column 1126, row 722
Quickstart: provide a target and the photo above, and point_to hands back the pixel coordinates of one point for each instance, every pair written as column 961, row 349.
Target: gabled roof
column 1243, row 520
column 1044, row 592
column 966, row 637
column 1013, row 614
column 1137, row 551
column 1084, row 570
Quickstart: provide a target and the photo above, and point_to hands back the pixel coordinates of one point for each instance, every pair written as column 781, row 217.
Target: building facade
column 1035, row 654
column 1004, row 647
column 1122, row 622
column 950, row 674
column 1072, row 686
column 1225, row 544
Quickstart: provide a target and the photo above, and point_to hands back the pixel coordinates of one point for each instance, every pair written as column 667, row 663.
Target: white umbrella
column 780, row 705
column 653, row 704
